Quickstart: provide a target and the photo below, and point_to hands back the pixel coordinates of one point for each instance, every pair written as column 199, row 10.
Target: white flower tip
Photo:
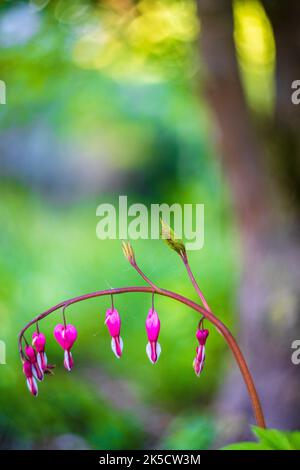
column 38, row 375
column 39, row 360
column 149, row 352
column 115, row 349
column 67, row 360
column 32, row 387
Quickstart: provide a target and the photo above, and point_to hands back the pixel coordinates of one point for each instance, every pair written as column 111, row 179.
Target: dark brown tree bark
column 269, row 300
column 284, row 136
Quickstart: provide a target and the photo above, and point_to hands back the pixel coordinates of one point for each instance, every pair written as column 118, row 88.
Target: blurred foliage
column 51, row 253
column 269, row 439
column 113, row 83
column 190, row 432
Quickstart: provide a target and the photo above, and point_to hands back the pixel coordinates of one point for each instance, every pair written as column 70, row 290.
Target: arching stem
column 241, row 362
column 186, row 263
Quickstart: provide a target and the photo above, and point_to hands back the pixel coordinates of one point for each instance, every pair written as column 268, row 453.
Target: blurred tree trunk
column 284, row 137
column 270, row 289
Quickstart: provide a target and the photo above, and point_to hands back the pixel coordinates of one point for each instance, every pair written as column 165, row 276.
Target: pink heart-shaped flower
column 152, row 325
column 65, row 336
column 202, row 336
column 30, row 352
column 113, row 322
column 38, row 341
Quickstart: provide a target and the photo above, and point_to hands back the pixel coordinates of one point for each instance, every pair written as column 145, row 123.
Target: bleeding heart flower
column 39, row 342
column 113, row 323
column 30, row 380
column 66, row 337
column 199, row 360
column 153, row 348
column 37, row 372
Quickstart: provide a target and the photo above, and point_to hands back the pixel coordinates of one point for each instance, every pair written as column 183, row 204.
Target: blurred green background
column 102, row 100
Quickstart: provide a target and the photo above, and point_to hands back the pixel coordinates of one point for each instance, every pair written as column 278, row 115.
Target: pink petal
column 152, row 325
column 65, row 336
column 59, row 336
column 30, row 352
column 27, row 369
column 201, row 336
column 113, row 322
column 39, row 341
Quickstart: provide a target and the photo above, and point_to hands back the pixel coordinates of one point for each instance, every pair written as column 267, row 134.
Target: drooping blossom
column 153, row 348
column 199, row 360
column 39, row 342
column 30, row 380
column 113, row 323
column 66, row 336
column 36, row 370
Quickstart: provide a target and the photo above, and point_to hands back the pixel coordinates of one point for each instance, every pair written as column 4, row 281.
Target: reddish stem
column 233, row 346
column 258, row 413
column 194, row 282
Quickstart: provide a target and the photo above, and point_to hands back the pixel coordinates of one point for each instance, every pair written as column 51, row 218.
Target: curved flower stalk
column 67, row 334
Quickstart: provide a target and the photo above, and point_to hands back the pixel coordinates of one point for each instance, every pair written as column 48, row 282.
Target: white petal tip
column 114, row 347
column 37, row 375
column 34, row 385
column 67, row 361
column 149, row 352
column 39, row 360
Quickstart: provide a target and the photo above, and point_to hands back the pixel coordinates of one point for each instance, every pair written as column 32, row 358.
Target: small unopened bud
column 128, row 252
column 170, row 237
